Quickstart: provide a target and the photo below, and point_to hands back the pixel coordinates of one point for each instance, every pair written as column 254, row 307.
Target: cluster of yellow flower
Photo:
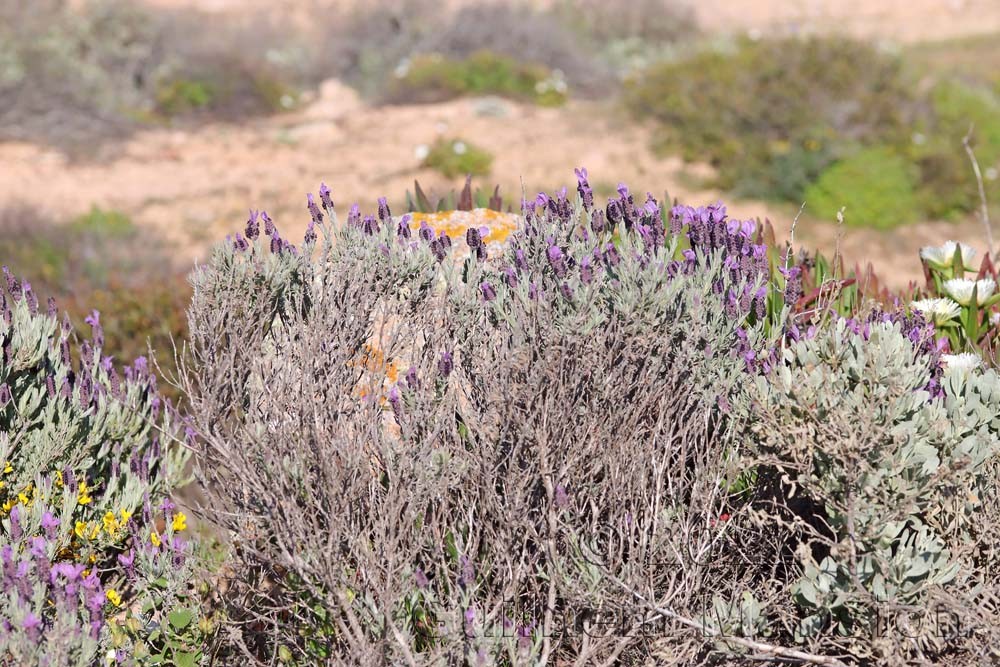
column 112, row 525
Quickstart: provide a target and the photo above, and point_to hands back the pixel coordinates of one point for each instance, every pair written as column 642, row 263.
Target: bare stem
column 984, row 211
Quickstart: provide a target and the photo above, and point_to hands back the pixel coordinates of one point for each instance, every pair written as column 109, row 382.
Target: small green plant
column 179, row 96
column 455, row 157
column 434, row 77
column 877, row 187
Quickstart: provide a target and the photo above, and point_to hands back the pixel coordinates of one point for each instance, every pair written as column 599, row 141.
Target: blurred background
column 135, row 133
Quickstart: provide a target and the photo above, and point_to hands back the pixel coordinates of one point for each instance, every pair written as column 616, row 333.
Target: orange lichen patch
column 373, row 359
column 456, row 223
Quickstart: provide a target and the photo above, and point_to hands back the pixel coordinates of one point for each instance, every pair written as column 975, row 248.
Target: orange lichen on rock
column 456, row 223
column 373, row 360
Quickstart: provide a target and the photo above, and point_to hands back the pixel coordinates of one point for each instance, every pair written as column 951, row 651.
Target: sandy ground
column 899, row 20
column 193, row 187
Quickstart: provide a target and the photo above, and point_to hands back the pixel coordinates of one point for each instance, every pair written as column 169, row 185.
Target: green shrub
column 179, row 96
column 772, row 114
column 877, row 187
column 432, row 78
column 454, row 157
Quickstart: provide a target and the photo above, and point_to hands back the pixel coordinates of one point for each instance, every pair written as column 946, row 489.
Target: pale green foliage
column 898, row 476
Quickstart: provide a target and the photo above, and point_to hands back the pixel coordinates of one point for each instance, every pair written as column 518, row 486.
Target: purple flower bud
column 532, row 291
column 473, row 238
column 15, row 523
column 384, row 215
column 468, row 576
column 32, row 625
column 566, row 290
column 12, row 286
column 597, row 221
column 324, row 197
column 49, row 524
column 489, row 294
column 5, row 395
column 52, row 310
column 94, row 320
column 354, row 216
column 583, row 187
column 50, row 385
column 269, row 227
column 403, row 228
column 30, row 298
column 520, row 261
column 253, row 229
column 611, row 257
column 586, row 272
column 446, row 364
column 276, row 244
column 510, row 277
column 240, row 243
column 426, row 233
column 369, row 225
column 314, row 211
column 310, row 235
column 556, row 260
column 560, row 499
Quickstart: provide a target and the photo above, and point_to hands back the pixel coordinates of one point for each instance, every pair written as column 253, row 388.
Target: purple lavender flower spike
column 510, row 277
column 240, row 243
column 32, row 626
column 276, row 245
column 354, row 216
column 403, row 228
column 556, row 260
column 384, row 215
column 520, row 261
column 5, row 395
column 473, row 238
column 269, row 227
column 49, row 524
column 310, row 235
column 426, row 233
column 30, row 298
column 94, row 320
column 566, row 290
column 370, row 226
column 489, row 294
column 446, row 364
column 317, row 216
column 583, row 187
column 586, row 272
column 15, row 523
column 324, row 197
column 253, row 228
column 411, row 378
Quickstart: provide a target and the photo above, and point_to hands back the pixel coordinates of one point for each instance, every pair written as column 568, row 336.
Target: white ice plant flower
column 941, row 256
column 421, row 152
column 964, row 362
column 960, row 289
column 459, row 147
column 939, row 311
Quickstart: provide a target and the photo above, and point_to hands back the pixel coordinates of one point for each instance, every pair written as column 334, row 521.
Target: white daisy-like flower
column 966, row 362
column 421, row 152
column 942, row 256
column 939, row 311
column 459, row 147
column 960, row 289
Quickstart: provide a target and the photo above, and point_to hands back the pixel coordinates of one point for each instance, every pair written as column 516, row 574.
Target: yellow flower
column 180, row 522
column 80, row 529
column 9, row 505
column 82, row 496
column 154, row 538
column 95, row 532
column 113, row 597
column 126, row 515
column 110, row 523
column 7, row 469
column 59, row 481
